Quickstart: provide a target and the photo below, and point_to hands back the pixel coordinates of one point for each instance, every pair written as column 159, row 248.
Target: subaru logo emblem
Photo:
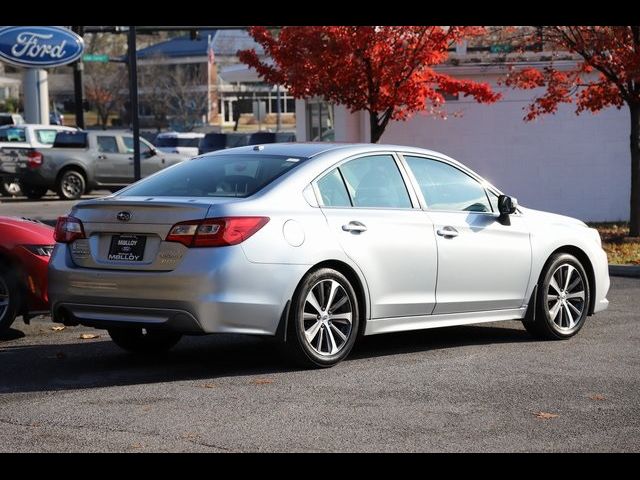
column 123, row 216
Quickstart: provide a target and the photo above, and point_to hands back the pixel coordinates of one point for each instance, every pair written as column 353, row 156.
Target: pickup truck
column 23, row 136
column 84, row 160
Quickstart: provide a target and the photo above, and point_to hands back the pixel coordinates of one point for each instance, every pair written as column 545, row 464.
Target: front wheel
column 141, row 340
column 562, row 302
column 324, row 319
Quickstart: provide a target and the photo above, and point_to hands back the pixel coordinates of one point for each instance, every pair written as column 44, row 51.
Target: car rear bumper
column 213, row 290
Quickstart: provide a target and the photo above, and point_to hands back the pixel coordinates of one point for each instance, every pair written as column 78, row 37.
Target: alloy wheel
column 4, row 298
column 328, row 317
column 566, row 297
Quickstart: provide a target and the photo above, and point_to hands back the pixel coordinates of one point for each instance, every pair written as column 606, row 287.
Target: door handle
column 354, row 226
column 102, row 157
column 447, row 232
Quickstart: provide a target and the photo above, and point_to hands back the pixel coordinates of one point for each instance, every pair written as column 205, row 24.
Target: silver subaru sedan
column 318, row 244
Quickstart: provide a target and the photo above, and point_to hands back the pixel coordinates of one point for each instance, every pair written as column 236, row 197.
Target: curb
column 632, row 271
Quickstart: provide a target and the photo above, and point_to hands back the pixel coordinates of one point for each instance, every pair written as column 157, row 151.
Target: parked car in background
column 259, row 138
column 14, row 138
column 56, row 118
column 80, row 161
column 318, row 243
column 183, row 143
column 11, row 119
column 25, row 250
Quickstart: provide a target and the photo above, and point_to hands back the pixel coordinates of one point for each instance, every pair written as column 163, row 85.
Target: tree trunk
column 634, row 210
column 376, row 131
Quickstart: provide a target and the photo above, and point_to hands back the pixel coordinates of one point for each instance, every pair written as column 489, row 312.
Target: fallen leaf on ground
column 88, row 336
column 208, row 385
column 136, row 445
column 597, row 397
column 189, row 435
column 58, row 328
column 261, row 381
column 545, row 415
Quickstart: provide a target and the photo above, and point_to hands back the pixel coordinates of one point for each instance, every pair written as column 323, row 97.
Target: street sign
column 39, row 47
column 91, row 57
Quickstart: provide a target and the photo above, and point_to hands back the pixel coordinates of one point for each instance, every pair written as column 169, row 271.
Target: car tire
column 33, row 192
column 9, row 298
column 561, row 304
column 71, row 185
column 140, row 340
column 320, row 336
column 10, row 188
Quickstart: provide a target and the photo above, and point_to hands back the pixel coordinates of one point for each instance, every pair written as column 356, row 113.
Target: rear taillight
column 215, row 232
column 68, row 229
column 34, row 159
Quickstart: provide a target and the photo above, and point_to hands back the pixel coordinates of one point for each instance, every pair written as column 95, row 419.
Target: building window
column 319, row 121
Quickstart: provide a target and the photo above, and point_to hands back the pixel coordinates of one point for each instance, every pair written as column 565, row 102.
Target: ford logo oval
column 39, row 47
column 123, row 216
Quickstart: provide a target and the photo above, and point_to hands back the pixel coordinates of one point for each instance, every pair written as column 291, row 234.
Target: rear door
column 113, row 164
column 484, row 260
column 376, row 219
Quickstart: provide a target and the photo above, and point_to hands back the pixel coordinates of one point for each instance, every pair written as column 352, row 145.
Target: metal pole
column 133, row 100
column 278, row 110
column 78, row 67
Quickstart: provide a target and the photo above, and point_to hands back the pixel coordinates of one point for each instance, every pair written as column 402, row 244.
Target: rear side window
column 333, row 190
column 107, row 144
column 215, row 176
column 46, row 136
column 375, row 182
column 12, row 135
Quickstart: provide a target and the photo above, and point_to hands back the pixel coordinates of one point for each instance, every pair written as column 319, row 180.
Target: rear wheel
column 33, row 192
column 71, row 185
column 141, row 340
column 10, row 188
column 324, row 320
column 562, row 302
column 9, row 300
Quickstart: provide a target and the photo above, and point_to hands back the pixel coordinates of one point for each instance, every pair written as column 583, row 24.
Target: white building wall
column 562, row 163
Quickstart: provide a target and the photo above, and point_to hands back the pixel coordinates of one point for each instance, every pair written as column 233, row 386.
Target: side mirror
column 507, row 205
column 151, row 152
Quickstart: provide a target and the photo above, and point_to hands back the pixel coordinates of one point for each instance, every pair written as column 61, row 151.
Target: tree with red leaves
column 387, row 71
column 613, row 52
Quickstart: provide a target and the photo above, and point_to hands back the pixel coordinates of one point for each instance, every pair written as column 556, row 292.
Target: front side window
column 444, row 187
column 128, row 143
column 375, row 182
column 216, row 176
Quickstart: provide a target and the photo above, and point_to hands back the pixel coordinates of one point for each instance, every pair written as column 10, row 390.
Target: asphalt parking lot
column 460, row 389
column 47, row 209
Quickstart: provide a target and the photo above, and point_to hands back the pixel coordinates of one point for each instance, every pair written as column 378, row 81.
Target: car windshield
column 177, row 142
column 12, row 134
column 215, row 176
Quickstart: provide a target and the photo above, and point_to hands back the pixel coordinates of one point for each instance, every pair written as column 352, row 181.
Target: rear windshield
column 215, row 176
column 177, row 142
column 71, row 140
column 12, row 134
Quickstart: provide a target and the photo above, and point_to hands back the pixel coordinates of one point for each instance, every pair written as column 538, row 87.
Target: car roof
column 312, row 149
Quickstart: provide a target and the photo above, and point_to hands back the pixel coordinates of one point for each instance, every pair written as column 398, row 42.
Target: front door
column 368, row 208
column 484, row 260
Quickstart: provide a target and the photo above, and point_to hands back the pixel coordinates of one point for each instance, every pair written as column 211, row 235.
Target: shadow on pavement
column 11, row 334
column 95, row 364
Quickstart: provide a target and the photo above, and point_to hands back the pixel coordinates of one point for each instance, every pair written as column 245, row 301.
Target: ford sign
column 39, row 47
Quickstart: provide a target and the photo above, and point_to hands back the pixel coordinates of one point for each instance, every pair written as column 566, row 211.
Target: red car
column 25, row 250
